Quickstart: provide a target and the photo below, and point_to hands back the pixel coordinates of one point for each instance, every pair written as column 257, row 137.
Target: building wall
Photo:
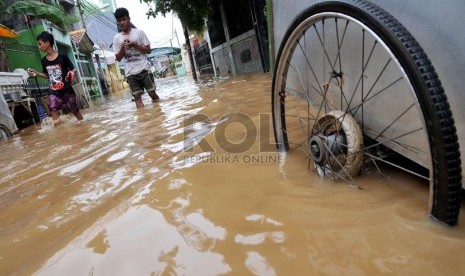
column 221, row 61
column 246, row 55
column 240, row 56
column 235, row 49
column 23, row 52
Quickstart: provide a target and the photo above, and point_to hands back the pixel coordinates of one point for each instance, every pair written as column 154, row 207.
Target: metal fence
column 203, row 59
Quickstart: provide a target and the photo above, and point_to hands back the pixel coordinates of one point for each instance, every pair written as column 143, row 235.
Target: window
column 238, row 17
column 215, row 27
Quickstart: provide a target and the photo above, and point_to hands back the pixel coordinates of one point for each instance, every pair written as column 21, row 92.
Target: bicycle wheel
column 5, row 133
column 349, row 60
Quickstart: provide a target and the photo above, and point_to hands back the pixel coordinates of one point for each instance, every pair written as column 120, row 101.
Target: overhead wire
column 163, row 40
column 105, row 23
column 98, row 16
column 109, row 23
column 113, row 28
column 98, row 11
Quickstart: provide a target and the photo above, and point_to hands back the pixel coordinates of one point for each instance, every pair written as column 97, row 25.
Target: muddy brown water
column 192, row 185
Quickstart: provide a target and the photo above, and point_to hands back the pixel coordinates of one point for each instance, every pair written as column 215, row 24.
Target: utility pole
column 189, row 51
column 81, row 13
column 172, row 27
column 177, row 38
column 76, row 46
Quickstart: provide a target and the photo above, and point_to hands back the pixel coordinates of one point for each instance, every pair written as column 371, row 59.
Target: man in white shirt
column 133, row 45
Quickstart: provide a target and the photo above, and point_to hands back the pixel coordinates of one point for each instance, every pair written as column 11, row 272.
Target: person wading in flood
column 133, row 45
column 58, row 69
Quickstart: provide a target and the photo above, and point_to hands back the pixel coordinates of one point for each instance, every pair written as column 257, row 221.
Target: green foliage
column 53, row 13
column 177, row 58
column 192, row 13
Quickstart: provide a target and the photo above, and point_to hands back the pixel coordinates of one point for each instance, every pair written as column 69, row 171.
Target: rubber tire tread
column 7, row 131
column 442, row 134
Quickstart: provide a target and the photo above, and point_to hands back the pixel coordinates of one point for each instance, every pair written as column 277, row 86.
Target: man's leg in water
column 149, row 84
column 136, row 90
column 70, row 99
column 55, row 105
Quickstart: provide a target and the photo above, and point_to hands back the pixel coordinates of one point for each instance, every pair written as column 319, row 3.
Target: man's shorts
column 138, row 82
column 56, row 102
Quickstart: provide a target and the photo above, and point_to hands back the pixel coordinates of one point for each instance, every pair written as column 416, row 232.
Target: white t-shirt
column 134, row 59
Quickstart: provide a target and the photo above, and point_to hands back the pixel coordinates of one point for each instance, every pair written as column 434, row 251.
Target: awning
column 164, row 51
column 6, row 32
column 82, row 40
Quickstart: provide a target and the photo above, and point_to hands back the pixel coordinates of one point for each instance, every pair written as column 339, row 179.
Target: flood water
column 192, row 185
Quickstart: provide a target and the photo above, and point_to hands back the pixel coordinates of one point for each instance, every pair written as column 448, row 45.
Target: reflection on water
column 150, row 244
column 157, row 191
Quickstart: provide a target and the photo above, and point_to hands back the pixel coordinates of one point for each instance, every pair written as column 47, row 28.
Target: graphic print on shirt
column 132, row 55
column 55, row 79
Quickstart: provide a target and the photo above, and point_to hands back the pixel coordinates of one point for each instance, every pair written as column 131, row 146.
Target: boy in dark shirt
column 58, row 69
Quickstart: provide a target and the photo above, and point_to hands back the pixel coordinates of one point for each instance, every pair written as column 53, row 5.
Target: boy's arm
column 120, row 54
column 71, row 69
column 118, row 49
column 33, row 72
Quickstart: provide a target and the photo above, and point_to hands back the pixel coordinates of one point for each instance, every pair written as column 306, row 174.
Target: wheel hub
column 317, row 149
column 322, row 147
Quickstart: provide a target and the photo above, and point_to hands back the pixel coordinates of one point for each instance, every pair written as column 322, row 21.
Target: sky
column 159, row 30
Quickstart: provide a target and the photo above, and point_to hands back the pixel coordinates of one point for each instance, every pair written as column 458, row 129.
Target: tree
column 192, row 13
column 53, row 13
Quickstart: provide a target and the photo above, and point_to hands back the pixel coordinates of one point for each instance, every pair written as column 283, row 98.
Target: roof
column 82, row 40
column 164, row 51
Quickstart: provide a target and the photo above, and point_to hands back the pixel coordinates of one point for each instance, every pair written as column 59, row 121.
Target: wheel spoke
column 394, row 140
column 352, row 85
column 311, row 68
column 322, row 44
column 355, row 109
column 397, row 166
column 313, row 98
column 362, row 76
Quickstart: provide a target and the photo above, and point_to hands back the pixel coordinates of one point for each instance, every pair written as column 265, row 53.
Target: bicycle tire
column 5, row 133
column 444, row 156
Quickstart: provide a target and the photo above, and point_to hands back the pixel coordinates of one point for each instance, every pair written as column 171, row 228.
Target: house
column 22, row 52
column 161, row 59
column 235, row 44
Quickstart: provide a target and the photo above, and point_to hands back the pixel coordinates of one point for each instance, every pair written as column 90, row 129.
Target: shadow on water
column 193, row 185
